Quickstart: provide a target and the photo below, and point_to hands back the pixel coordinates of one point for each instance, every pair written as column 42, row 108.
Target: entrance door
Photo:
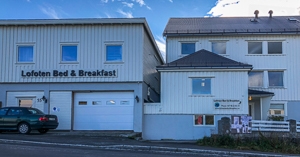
column 251, row 110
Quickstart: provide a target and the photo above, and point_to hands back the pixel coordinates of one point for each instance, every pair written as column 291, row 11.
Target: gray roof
column 233, row 25
column 204, row 59
column 252, row 92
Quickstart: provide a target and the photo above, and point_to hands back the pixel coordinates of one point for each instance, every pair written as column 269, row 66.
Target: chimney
column 256, row 13
column 270, row 12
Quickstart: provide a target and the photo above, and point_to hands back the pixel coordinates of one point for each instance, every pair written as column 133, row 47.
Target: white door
column 103, row 111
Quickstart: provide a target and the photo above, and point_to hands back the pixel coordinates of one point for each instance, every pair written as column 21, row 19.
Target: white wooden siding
column 177, row 98
column 150, row 60
column 91, row 51
column 13, row 98
column 62, row 101
column 237, row 49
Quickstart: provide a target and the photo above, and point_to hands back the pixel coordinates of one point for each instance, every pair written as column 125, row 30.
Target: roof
column 252, row 92
column 72, row 21
column 233, row 25
column 204, row 59
column 84, row 21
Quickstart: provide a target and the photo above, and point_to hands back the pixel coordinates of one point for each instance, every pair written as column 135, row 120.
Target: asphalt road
column 96, row 144
column 19, row 149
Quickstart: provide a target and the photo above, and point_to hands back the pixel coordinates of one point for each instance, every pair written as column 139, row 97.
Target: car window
column 15, row 112
column 3, row 111
column 34, row 111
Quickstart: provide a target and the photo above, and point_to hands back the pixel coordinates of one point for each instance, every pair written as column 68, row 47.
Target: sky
column 156, row 12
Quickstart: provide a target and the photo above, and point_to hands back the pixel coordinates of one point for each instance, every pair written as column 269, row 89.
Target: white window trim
column 25, row 44
column 265, row 47
column 220, row 41
column 203, row 120
column 112, row 43
column 180, row 47
column 201, row 95
column 284, row 106
column 69, row 44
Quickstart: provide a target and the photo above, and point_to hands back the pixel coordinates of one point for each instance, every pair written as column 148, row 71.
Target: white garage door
column 103, row 111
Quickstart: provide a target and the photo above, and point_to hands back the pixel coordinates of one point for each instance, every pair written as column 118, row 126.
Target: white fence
column 298, row 126
column 258, row 125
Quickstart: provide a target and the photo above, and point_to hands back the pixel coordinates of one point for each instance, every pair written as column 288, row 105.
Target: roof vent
column 253, row 20
column 256, row 12
column 270, row 13
column 292, row 19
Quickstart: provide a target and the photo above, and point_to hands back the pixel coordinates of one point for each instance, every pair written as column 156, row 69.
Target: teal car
column 25, row 119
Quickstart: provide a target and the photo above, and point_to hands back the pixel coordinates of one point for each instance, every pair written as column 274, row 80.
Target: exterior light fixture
column 44, row 99
column 137, row 99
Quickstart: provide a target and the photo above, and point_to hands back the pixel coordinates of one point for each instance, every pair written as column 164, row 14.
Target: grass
column 261, row 143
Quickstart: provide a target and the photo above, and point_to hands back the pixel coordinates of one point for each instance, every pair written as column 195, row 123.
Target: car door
column 3, row 112
column 12, row 118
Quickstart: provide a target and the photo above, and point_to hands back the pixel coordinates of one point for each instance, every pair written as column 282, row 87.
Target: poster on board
column 241, row 124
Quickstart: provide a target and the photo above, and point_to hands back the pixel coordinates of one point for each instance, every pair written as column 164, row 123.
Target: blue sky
column 156, row 12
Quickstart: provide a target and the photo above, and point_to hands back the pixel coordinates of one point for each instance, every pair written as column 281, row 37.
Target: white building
column 223, row 66
column 94, row 74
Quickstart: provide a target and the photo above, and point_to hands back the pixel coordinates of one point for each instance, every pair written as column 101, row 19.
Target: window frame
column 275, row 109
column 187, row 42
column 268, row 52
column 25, row 45
column 275, row 86
column 195, row 120
column 218, row 42
column 114, row 44
column 198, row 78
column 61, row 52
column 248, row 48
column 262, row 79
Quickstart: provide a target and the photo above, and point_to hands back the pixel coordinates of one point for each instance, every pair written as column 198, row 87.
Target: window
column 114, row 53
column 275, row 78
column 256, row 79
column 25, row 53
column 274, row 47
column 25, row 102
column 3, row 111
column 187, row 48
column 201, row 86
column 69, row 53
column 97, row 103
column 219, row 47
column 254, row 47
column 204, row 120
column 82, row 103
column 110, row 102
column 276, row 109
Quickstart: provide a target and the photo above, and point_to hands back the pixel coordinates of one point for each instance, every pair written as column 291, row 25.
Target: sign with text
column 69, row 73
column 227, row 104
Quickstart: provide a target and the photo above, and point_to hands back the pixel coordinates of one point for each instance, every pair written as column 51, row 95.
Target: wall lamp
column 137, row 99
column 44, row 99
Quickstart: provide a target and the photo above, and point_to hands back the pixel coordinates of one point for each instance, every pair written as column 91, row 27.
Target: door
column 103, row 111
column 12, row 118
column 3, row 112
column 251, row 110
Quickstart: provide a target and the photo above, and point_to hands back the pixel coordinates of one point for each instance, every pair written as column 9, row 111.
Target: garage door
column 103, row 111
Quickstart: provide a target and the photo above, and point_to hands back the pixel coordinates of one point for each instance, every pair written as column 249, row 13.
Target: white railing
column 298, row 126
column 258, row 125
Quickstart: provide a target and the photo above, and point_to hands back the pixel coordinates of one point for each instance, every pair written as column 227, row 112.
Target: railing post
column 293, row 127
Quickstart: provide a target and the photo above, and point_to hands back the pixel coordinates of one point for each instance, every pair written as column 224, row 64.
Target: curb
column 155, row 149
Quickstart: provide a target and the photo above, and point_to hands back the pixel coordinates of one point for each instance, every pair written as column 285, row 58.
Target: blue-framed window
column 25, row 53
column 201, row 86
column 114, row 53
column 69, row 53
column 187, row 48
